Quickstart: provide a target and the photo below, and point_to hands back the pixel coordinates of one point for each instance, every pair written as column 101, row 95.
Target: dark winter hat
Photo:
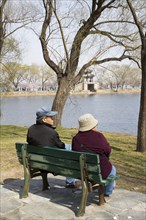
column 44, row 112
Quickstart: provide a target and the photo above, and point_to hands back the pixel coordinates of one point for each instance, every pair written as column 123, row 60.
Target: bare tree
column 120, row 76
column 94, row 34
column 2, row 26
column 47, row 77
column 15, row 15
column 12, row 76
column 134, row 77
column 32, row 76
column 141, row 25
column 11, row 50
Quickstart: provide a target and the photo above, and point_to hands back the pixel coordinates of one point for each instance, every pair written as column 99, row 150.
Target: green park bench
column 79, row 165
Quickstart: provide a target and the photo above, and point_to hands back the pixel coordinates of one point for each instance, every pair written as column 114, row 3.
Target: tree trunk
column 141, row 135
column 60, row 100
column 2, row 31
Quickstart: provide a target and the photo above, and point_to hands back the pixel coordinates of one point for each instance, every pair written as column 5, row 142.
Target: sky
column 31, row 47
column 30, row 43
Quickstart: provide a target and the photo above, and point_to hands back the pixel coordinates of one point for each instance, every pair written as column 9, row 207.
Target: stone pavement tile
column 122, row 203
column 60, row 203
column 130, row 194
column 13, row 215
column 9, row 205
column 48, row 211
column 5, row 193
column 132, row 215
column 140, row 207
column 124, row 199
column 17, row 184
column 109, row 209
column 95, row 212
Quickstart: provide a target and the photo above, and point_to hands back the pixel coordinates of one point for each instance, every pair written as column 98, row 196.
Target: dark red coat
column 96, row 142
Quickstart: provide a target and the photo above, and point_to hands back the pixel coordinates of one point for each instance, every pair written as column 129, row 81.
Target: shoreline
column 50, row 93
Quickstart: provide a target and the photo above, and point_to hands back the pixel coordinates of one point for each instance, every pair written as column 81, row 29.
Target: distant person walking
column 88, row 139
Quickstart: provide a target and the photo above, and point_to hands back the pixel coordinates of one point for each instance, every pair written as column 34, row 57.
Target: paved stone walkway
column 60, row 203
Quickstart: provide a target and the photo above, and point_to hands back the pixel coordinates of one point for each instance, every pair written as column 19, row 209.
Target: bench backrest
column 60, row 161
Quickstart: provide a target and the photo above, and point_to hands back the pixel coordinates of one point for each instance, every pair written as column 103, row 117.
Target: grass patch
column 129, row 163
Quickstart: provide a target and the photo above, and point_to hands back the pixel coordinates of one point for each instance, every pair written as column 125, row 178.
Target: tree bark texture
column 60, row 100
column 2, row 31
column 141, row 135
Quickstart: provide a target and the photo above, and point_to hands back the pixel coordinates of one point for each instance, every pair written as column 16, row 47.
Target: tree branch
column 94, row 61
column 62, row 34
column 110, row 36
column 46, row 23
column 83, row 32
column 2, row 28
column 122, row 57
column 137, row 22
column 113, row 21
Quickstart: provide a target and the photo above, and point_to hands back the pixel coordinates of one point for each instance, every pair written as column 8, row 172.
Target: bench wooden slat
column 65, row 171
column 52, row 168
column 61, row 162
column 62, row 152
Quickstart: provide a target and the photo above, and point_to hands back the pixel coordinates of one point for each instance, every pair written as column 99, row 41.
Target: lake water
column 115, row 112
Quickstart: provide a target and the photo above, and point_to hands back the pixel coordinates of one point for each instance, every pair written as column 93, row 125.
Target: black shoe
column 70, row 185
column 106, row 195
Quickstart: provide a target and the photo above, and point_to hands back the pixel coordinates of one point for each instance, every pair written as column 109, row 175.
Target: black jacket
column 42, row 134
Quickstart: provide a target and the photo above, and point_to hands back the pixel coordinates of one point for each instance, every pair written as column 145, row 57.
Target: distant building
column 87, row 83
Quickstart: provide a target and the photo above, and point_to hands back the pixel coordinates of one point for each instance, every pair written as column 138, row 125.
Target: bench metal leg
column 45, row 180
column 83, row 202
column 101, row 195
column 26, row 185
column 84, row 181
column 27, row 175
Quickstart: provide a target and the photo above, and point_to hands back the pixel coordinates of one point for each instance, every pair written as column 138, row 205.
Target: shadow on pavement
column 57, row 193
